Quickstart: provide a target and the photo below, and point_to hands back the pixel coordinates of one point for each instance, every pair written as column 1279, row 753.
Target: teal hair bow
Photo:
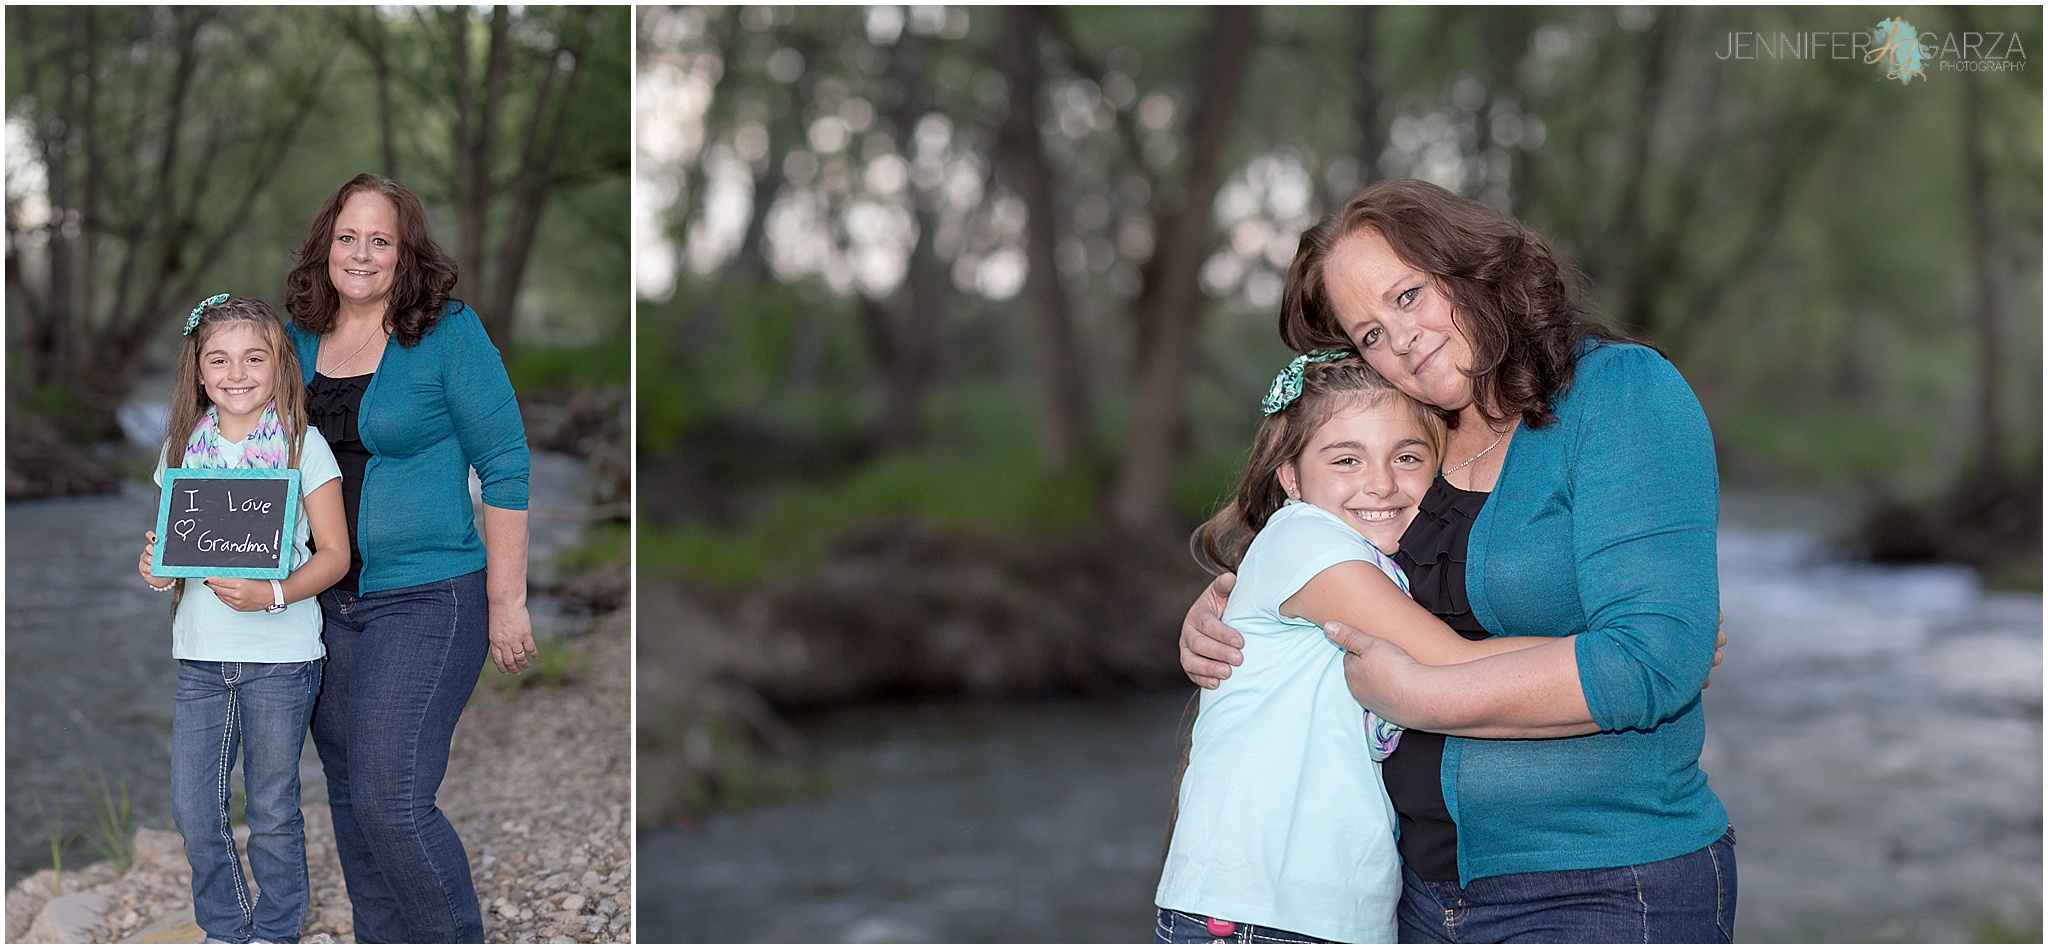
column 1287, row 385
column 192, row 322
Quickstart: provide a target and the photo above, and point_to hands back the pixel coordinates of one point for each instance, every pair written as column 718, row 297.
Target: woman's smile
column 362, row 259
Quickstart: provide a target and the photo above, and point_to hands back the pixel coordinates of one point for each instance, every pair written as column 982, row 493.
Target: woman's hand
column 512, row 648
column 1528, row 693
column 242, row 596
column 1720, row 639
column 149, row 554
column 1207, row 647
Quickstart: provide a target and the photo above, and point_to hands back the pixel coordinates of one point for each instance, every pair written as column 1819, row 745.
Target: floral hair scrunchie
column 1287, row 385
column 192, row 322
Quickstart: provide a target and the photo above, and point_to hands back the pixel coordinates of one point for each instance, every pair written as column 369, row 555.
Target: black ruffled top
column 1433, row 555
column 332, row 406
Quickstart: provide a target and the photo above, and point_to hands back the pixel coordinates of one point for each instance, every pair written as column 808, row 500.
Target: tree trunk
column 1365, row 107
column 915, row 327
column 1988, row 435
column 1169, row 308
column 1063, row 399
column 532, row 180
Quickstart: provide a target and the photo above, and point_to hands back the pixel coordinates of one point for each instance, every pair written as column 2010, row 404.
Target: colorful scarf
column 264, row 447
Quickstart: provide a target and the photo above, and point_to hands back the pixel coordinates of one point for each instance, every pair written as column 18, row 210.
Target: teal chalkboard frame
column 157, row 567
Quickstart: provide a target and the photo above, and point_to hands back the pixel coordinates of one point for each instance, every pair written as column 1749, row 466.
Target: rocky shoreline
column 538, row 786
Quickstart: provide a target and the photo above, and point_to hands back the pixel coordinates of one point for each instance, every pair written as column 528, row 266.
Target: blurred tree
column 156, row 131
column 506, row 91
column 1168, row 310
column 1062, row 387
column 1730, row 211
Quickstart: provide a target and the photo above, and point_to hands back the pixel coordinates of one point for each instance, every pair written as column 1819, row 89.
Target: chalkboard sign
column 226, row 522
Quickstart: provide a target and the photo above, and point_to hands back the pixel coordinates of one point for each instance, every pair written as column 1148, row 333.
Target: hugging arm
column 1357, row 594
column 1644, row 495
column 1208, row 648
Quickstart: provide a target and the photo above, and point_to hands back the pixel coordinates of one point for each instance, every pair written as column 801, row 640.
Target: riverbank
column 899, row 612
column 537, row 786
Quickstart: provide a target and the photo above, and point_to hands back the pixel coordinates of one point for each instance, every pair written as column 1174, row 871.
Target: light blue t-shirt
column 208, row 630
column 1283, row 820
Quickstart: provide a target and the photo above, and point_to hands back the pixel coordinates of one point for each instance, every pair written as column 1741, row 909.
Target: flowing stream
column 1876, row 734
column 90, row 678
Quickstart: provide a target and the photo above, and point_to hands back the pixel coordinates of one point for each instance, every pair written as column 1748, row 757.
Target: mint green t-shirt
column 208, row 630
column 1283, row 820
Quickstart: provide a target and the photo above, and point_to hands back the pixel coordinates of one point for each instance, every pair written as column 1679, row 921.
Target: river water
column 90, row 678
column 1875, row 732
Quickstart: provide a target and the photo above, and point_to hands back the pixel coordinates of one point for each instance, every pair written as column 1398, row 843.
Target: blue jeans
column 1689, row 898
column 259, row 709
column 400, row 666
column 1178, row 927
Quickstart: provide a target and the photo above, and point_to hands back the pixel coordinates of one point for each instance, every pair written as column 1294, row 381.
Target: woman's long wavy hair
column 1522, row 308
column 419, row 291
column 188, row 395
column 1327, row 388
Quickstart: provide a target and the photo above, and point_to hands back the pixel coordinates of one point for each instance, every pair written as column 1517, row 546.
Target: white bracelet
column 276, row 598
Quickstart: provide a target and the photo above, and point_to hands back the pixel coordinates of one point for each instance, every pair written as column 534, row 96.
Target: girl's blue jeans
column 1185, row 928
column 259, row 709
column 1688, row 898
column 400, row 666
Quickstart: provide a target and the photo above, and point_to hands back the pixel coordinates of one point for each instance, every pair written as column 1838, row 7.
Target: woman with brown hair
column 1577, row 501
column 411, row 394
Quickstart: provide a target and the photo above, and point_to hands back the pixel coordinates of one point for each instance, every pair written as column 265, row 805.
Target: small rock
column 573, row 901
column 66, row 918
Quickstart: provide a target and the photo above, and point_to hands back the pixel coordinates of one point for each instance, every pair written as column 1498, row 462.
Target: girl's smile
column 235, row 368
column 1369, row 466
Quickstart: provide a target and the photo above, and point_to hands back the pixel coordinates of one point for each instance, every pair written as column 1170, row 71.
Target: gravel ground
column 539, row 787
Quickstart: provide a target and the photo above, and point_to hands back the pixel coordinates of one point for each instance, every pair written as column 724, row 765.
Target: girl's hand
column 149, row 554
column 512, row 648
column 1207, row 647
column 242, row 596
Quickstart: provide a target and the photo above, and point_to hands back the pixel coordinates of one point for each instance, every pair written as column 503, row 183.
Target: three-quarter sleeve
column 484, row 412
column 1645, row 498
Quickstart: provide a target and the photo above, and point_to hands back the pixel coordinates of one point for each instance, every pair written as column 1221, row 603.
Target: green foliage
column 112, row 832
column 59, row 838
column 560, row 662
column 1821, row 444
column 603, row 544
column 1995, row 928
column 601, row 364
column 1007, row 492
column 774, row 352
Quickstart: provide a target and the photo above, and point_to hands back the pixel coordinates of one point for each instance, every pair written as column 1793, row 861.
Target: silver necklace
column 1482, row 453
column 331, row 370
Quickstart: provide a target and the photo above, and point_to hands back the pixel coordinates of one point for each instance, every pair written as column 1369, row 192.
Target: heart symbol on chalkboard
column 184, row 528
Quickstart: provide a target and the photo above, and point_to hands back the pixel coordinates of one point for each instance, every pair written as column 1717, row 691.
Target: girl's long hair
column 1326, row 389
column 188, row 395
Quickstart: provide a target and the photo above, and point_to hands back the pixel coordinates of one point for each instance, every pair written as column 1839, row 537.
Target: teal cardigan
column 1602, row 524
column 433, row 411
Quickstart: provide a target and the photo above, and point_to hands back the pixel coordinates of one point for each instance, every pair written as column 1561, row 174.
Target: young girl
column 248, row 651
column 1283, row 832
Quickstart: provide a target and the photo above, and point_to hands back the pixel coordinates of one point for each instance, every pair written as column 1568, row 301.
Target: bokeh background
column 953, row 320
column 157, row 155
